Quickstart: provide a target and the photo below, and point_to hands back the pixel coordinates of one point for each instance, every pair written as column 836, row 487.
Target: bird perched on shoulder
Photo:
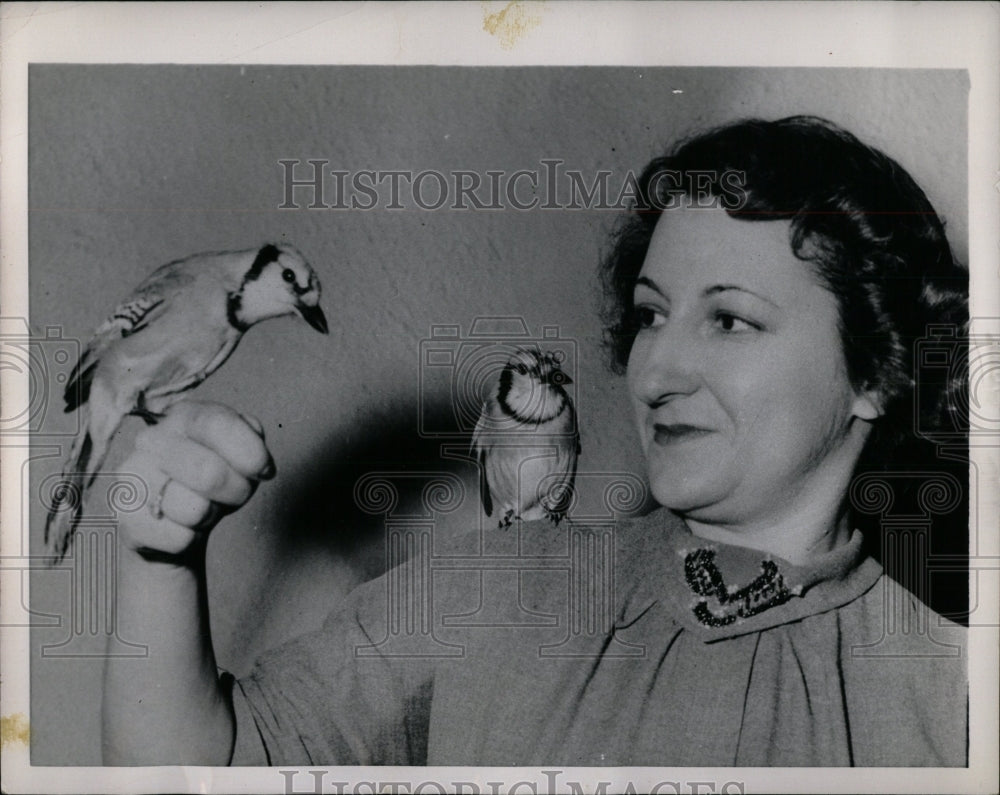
column 174, row 331
column 527, row 441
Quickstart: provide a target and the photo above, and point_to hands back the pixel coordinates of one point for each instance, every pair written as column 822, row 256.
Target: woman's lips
column 670, row 434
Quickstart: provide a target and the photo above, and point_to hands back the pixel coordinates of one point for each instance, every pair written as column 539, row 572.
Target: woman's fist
column 200, row 462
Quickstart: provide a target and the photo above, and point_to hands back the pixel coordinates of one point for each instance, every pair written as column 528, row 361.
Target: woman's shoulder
column 905, row 670
column 633, row 536
column 891, row 642
column 893, row 621
column 622, row 549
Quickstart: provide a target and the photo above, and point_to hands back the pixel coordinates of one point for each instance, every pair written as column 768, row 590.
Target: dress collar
column 721, row 591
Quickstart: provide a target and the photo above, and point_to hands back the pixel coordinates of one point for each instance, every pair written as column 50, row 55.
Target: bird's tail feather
column 67, row 501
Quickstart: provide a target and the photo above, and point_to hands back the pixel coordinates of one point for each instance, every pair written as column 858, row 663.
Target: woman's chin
column 685, row 497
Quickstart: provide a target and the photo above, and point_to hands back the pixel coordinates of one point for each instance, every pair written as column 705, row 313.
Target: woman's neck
column 797, row 534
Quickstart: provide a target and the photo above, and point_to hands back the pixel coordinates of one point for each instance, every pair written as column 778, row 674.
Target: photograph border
column 817, row 35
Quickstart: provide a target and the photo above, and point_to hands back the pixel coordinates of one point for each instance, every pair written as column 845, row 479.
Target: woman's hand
column 200, row 462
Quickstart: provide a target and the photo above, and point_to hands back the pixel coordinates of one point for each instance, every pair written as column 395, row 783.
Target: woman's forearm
column 167, row 707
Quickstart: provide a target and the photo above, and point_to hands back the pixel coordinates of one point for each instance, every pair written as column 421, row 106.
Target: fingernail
column 269, row 471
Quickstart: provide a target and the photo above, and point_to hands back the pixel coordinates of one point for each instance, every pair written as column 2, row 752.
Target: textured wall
column 135, row 166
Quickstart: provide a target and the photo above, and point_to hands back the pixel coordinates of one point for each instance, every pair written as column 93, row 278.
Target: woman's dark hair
column 864, row 225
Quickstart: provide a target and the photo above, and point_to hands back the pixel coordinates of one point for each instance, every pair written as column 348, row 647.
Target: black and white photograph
column 388, row 409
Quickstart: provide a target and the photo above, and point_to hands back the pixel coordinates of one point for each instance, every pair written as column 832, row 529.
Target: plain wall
column 133, row 166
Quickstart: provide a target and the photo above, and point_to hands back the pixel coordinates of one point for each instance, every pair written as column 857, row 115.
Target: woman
column 766, row 316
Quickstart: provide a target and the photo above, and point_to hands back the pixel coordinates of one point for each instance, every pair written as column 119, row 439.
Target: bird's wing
column 147, row 302
column 479, row 450
column 196, row 378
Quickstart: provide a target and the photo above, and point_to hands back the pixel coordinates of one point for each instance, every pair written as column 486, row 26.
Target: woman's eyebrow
column 722, row 288
column 645, row 281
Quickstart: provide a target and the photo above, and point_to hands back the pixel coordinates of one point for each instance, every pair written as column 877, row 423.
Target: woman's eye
column 733, row 324
column 647, row 317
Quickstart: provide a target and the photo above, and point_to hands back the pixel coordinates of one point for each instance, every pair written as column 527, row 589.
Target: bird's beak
column 314, row 316
column 566, row 379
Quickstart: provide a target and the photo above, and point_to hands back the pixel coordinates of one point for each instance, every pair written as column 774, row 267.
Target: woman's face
column 737, row 373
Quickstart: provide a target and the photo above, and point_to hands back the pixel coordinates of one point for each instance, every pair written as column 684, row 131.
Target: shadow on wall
column 339, row 507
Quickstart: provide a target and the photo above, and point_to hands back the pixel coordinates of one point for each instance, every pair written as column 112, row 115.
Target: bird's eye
column 288, row 275
column 558, row 378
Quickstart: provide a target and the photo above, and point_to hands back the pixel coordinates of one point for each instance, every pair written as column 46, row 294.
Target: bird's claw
column 554, row 516
column 149, row 417
column 141, row 410
column 507, row 520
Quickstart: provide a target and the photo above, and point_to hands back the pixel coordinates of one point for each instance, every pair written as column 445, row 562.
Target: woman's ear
column 867, row 405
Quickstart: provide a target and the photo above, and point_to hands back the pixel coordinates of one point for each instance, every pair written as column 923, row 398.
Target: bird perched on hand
column 526, row 441
column 174, row 331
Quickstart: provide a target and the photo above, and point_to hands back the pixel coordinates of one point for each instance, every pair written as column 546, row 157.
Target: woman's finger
column 152, row 529
column 253, row 422
column 195, row 466
column 175, row 502
column 224, row 431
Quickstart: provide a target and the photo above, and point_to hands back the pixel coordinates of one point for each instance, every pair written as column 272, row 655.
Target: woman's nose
column 664, row 363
